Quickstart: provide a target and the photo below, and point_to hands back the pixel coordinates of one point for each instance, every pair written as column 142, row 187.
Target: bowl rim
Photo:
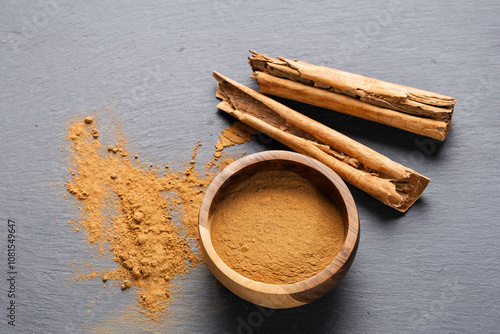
column 350, row 242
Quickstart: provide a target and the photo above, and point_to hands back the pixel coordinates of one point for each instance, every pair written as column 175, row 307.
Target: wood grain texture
column 274, row 295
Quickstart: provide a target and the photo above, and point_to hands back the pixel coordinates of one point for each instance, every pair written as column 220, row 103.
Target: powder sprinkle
column 131, row 208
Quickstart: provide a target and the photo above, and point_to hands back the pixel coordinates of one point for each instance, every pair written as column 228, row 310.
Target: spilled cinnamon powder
column 147, row 218
column 236, row 134
column 276, row 227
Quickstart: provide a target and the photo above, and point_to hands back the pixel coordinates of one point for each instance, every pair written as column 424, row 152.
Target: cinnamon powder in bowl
column 278, row 228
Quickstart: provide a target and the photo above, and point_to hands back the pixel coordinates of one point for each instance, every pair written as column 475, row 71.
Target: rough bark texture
column 406, row 108
column 389, row 182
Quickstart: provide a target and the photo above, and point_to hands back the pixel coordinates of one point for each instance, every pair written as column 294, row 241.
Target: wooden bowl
column 280, row 295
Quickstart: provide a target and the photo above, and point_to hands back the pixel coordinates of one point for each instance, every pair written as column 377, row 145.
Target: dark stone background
column 434, row 269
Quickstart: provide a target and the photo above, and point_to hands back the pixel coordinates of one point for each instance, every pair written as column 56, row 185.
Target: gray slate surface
column 434, row 269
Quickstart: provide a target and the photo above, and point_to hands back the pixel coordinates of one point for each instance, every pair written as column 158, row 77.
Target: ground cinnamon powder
column 236, row 134
column 277, row 227
column 146, row 216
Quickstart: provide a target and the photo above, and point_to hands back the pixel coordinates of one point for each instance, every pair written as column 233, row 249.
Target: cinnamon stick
column 415, row 110
column 389, row 182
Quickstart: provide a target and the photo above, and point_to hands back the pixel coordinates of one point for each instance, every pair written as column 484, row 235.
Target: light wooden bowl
column 276, row 295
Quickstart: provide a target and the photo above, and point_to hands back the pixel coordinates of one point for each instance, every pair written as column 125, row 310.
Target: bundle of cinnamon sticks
column 407, row 108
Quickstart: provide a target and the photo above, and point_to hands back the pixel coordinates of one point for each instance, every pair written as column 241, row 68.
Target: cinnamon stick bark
column 389, row 182
column 415, row 110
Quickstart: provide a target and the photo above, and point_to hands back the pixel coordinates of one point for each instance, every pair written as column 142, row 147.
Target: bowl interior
column 314, row 176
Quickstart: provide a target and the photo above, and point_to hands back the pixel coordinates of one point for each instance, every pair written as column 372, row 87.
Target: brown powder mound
column 276, row 227
column 147, row 219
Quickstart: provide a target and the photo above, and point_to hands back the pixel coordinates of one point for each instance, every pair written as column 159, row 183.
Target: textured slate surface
column 434, row 269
